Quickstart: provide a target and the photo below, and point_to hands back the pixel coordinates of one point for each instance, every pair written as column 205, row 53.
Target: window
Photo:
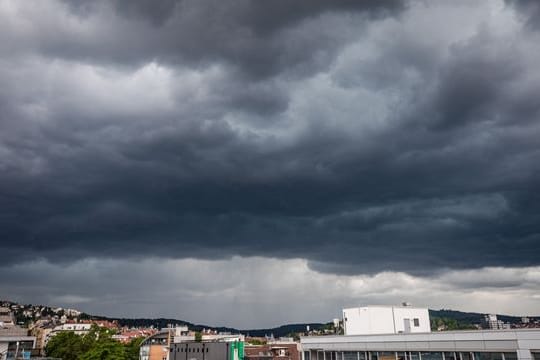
column 416, row 322
column 387, row 355
column 450, row 356
column 488, row 356
column 431, row 356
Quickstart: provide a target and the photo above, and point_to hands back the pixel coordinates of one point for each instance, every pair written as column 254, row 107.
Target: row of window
column 181, row 349
column 409, row 355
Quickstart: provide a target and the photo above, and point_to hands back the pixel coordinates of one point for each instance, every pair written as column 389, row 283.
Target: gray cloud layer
column 361, row 136
column 269, row 292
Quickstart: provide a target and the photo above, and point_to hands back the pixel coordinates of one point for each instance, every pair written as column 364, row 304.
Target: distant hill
column 470, row 317
column 284, row 330
column 159, row 323
column 457, row 320
column 463, row 320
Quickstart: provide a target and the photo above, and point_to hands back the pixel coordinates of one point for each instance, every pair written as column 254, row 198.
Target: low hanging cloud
column 270, row 292
column 360, row 137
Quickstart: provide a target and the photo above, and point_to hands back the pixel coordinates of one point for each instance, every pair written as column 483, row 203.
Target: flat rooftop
column 473, row 340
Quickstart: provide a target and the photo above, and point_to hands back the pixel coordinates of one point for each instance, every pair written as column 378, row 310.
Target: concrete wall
column 402, row 313
column 368, row 320
column 371, row 320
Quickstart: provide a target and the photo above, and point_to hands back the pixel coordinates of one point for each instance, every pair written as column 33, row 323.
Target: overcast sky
column 253, row 163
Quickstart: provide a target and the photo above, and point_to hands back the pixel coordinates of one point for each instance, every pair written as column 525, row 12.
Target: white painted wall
column 371, row 320
column 405, row 312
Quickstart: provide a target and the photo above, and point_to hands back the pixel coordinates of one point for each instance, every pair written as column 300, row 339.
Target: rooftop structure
column 370, row 320
column 284, row 351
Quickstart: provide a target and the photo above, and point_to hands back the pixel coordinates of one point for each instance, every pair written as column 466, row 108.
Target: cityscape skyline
column 194, row 158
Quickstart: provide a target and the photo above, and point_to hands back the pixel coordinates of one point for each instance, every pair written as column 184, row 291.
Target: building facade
column 213, row 350
column 519, row 344
column 370, row 320
column 15, row 343
column 156, row 347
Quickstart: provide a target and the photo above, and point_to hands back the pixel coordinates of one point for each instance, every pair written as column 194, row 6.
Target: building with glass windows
column 15, row 344
column 518, row 344
column 207, row 350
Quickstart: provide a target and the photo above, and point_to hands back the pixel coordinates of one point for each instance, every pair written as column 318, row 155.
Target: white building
column 6, row 317
column 77, row 328
column 491, row 322
column 371, row 320
column 517, row 344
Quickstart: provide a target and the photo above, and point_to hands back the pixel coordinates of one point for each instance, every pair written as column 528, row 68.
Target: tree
column 257, row 341
column 65, row 345
column 198, row 336
column 445, row 323
column 105, row 349
column 97, row 344
column 132, row 348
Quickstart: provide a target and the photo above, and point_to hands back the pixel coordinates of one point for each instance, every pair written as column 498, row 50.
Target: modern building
column 403, row 333
column 207, row 350
column 15, row 343
column 518, row 344
column 491, row 322
column 371, row 320
column 158, row 346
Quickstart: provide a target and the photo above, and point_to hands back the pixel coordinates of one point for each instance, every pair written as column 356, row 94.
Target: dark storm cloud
column 253, row 37
column 529, row 10
column 247, row 130
column 257, row 15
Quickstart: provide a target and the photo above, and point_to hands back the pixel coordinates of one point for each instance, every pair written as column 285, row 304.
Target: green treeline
column 445, row 323
column 96, row 345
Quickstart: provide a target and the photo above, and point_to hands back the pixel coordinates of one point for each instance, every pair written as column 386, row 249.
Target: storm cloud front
column 339, row 144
